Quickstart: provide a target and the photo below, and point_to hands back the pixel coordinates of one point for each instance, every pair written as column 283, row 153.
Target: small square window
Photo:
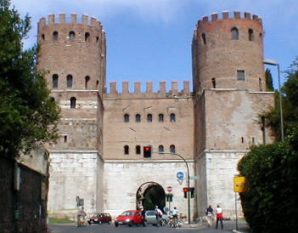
column 149, row 118
column 172, row 117
column 241, row 75
column 55, row 79
column 160, row 117
column 160, row 148
column 69, row 81
column 138, row 118
column 138, row 150
column 126, row 117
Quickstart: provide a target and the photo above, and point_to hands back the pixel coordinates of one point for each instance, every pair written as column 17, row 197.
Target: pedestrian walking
column 158, row 215
column 219, row 216
column 209, row 215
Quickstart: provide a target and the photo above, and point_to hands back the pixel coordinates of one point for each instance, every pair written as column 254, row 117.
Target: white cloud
column 163, row 10
column 279, row 16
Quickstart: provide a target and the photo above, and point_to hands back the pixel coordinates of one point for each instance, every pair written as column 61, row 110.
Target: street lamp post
column 188, row 182
column 274, row 63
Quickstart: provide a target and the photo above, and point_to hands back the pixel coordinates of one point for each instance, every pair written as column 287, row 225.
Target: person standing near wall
column 209, row 215
column 219, row 217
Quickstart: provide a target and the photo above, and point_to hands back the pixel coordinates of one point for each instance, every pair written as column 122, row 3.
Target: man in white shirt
column 219, row 216
column 158, row 215
column 175, row 216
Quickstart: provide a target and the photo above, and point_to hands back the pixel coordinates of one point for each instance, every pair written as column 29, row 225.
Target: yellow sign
column 239, row 184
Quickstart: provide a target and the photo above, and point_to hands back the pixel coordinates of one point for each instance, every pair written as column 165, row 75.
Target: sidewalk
column 229, row 226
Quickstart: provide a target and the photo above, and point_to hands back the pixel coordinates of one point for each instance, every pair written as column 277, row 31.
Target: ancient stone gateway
column 99, row 156
column 149, row 195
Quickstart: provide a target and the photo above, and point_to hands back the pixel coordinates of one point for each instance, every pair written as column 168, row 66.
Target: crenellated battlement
column 229, row 15
column 73, row 19
column 162, row 91
column 78, row 44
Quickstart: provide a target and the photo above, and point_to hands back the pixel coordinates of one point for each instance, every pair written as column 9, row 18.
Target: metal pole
column 274, row 63
column 280, row 107
column 188, row 182
column 188, row 195
column 236, row 211
column 188, row 186
column 169, row 204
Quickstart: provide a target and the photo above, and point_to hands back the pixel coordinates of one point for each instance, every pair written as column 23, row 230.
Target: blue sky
column 150, row 40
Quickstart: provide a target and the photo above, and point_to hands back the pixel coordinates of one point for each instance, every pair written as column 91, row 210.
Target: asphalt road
column 105, row 228
column 229, row 226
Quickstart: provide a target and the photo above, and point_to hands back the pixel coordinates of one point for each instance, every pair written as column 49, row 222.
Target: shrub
column 270, row 204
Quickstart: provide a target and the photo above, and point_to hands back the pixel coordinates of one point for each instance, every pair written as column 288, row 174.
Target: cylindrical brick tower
column 230, row 96
column 73, row 56
column 228, row 52
column 70, row 47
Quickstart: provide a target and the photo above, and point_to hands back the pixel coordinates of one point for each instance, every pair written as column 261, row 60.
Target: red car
column 130, row 218
column 100, row 218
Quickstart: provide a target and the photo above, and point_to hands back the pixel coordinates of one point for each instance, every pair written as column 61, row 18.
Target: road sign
column 169, row 189
column 180, row 175
column 239, row 184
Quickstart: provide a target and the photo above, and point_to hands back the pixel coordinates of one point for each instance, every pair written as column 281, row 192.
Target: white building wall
column 216, row 170
column 123, row 179
column 74, row 174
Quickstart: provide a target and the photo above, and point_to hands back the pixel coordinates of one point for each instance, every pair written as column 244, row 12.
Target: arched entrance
column 149, row 195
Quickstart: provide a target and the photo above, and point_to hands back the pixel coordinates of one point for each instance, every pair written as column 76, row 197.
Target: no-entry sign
column 169, row 189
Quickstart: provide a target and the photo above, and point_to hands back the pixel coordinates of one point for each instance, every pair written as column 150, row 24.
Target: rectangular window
column 55, row 83
column 241, row 75
column 55, row 79
column 69, row 81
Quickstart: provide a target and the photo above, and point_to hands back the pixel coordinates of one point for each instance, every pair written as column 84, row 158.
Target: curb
column 192, row 226
column 237, row 231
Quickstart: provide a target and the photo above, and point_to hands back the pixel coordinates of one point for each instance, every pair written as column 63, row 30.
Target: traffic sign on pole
column 169, row 189
column 180, row 175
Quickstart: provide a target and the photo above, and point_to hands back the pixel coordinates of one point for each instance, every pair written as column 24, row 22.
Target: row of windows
column 73, row 101
column 69, row 81
column 71, row 36
column 126, row 149
column 172, row 147
column 240, row 77
column 138, row 117
column 235, row 35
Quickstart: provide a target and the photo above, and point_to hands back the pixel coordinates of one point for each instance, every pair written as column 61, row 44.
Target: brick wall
column 23, row 205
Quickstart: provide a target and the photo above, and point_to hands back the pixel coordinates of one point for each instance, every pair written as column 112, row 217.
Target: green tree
column 268, row 80
column 273, row 117
column 270, row 203
column 289, row 92
column 28, row 115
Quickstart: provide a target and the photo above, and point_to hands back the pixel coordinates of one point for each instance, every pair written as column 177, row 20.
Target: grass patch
column 59, row 220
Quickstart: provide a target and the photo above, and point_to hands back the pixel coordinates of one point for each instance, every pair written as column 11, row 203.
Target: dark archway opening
column 149, row 195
